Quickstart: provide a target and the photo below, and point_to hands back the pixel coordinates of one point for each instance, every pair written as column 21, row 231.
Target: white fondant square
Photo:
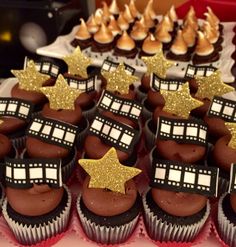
column 58, row 133
column 191, row 71
column 36, row 126
column 46, row 129
column 135, row 111
column 69, row 137
column 24, row 110
column 97, row 125
column 106, row 101
column 55, row 70
column 228, row 110
column 174, row 175
column 51, row 173
column 189, row 177
column 192, row 131
column 106, row 128
column 45, row 67
column 216, row 107
column 165, row 128
column 173, row 87
column 202, row 134
column 82, row 87
column 200, row 72
column 36, row 173
column 8, row 172
column 209, row 72
column 204, row 179
column 125, row 108
column 160, row 173
column 73, row 84
column 164, row 86
column 3, row 106
column 19, row 173
column 126, row 139
column 178, row 130
column 12, row 107
column 115, row 133
column 115, row 106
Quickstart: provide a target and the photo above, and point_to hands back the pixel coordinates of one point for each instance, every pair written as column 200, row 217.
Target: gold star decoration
column 180, row 102
column 30, row 79
column 108, row 172
column 118, row 80
column 61, row 95
column 232, row 129
column 157, row 64
column 210, row 86
column 78, row 63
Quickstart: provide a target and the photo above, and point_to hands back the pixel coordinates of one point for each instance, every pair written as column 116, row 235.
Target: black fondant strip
column 182, row 131
column 109, row 65
column 193, row 71
column 181, row 177
column 23, row 173
column 84, row 85
column 223, row 108
column 114, row 133
column 53, row 131
column 17, row 108
column 158, row 83
column 123, row 107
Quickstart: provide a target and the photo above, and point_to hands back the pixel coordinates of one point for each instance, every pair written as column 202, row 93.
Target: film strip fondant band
column 193, row 71
column 23, row 173
column 108, row 65
column 180, row 177
column 114, row 133
column 119, row 106
column 232, row 182
column 84, row 85
column 52, row 131
column 45, row 67
column 223, row 108
column 183, row 131
column 158, row 83
column 16, row 108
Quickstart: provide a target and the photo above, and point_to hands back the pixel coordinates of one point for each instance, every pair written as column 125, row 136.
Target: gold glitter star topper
column 61, row 95
column 157, row 64
column 78, row 63
column 119, row 80
column 180, row 102
column 108, row 172
column 232, row 129
column 210, row 86
column 30, row 79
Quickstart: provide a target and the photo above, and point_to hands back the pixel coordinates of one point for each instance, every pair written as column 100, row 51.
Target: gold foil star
column 108, row 172
column 61, row 96
column 119, row 80
column 30, row 79
column 180, row 102
column 78, row 63
column 210, row 86
column 157, row 64
column 232, row 128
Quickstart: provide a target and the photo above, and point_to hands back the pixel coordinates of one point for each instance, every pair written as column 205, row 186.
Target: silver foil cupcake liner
column 2, row 195
column 140, row 95
column 33, row 234
column 226, row 229
column 103, row 234
column 146, row 114
column 159, row 230
column 19, row 142
column 89, row 114
column 82, row 134
column 149, row 136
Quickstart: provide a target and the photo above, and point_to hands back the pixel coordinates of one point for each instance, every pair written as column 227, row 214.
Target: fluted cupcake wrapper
column 33, row 234
column 227, row 230
column 82, row 134
column 19, row 142
column 150, row 138
column 89, row 114
column 164, row 231
column 146, row 114
column 2, row 195
column 103, row 234
column 140, row 95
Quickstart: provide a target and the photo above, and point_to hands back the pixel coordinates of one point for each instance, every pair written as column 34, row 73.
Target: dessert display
column 108, row 208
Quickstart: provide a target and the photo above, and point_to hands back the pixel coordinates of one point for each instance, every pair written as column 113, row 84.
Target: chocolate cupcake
column 150, row 46
column 83, row 38
column 7, row 149
column 168, row 216
column 37, row 201
column 227, row 212
column 108, row 208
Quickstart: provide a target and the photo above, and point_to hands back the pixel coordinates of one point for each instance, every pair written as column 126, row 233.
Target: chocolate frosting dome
column 172, row 14
column 132, row 7
column 178, row 203
column 151, row 45
column 125, row 42
column 179, row 46
column 127, row 14
column 103, row 35
column 83, row 32
column 113, row 26
column 204, row 47
column 122, row 22
column 92, row 25
column 103, row 202
column 189, row 35
column 11, row 125
column 113, row 8
column 36, row 201
column 5, row 146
